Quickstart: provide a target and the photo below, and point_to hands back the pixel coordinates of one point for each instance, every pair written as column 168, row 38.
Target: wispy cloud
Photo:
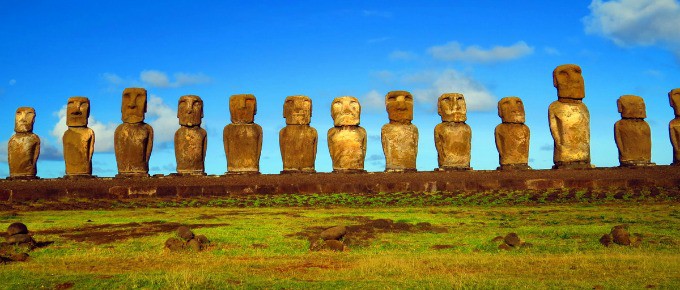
column 373, row 100
column 160, row 79
column 477, row 96
column 402, row 55
column 454, row 51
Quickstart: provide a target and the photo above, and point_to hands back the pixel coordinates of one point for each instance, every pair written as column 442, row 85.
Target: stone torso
column 243, row 145
column 512, row 142
column 400, row 145
column 133, row 143
column 347, row 146
column 674, row 132
column 78, row 143
column 453, row 140
column 22, row 154
column 634, row 140
column 570, row 128
column 190, row 146
column 298, row 147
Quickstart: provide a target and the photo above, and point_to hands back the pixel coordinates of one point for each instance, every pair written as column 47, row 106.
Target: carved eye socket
column 391, row 98
column 408, row 98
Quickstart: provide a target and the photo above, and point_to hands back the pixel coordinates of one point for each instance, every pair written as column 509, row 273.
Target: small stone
column 504, row 247
column 174, row 244
column 606, row 240
column 20, row 257
column 20, row 239
column 185, row 233
column 620, row 236
column 512, row 239
column 334, row 245
column 202, row 239
column 334, row 233
column 194, row 245
column 17, row 229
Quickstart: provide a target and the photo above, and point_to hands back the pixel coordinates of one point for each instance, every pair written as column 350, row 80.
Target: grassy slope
column 566, row 252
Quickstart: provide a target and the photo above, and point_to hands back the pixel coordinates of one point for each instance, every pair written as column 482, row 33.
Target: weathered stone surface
column 298, row 141
column 133, row 140
column 632, row 133
column 452, row 137
column 620, row 235
column 334, row 233
column 23, row 147
column 512, row 239
column 347, row 140
column 194, row 245
column 334, row 245
column 606, row 240
column 569, row 119
column 191, row 141
column 399, row 137
column 17, row 229
column 174, row 244
column 504, row 247
column 78, row 139
column 243, row 138
column 512, row 135
column 185, row 233
column 20, row 239
column 674, row 125
column 203, row 239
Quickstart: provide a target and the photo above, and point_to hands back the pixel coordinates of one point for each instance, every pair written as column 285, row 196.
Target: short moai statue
column 674, row 125
column 133, row 140
column 23, row 147
column 191, row 141
column 632, row 133
column 78, row 139
column 452, row 136
column 569, row 119
column 243, row 138
column 347, row 140
column 512, row 135
column 399, row 137
column 298, row 140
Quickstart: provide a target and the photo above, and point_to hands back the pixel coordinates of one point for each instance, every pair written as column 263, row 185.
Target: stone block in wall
column 579, row 183
column 610, row 183
column 542, row 184
column 6, row 194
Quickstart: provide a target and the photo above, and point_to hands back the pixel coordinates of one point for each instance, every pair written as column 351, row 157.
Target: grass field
column 266, row 248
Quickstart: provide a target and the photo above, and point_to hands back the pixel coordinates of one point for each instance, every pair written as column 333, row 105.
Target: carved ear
column 619, row 105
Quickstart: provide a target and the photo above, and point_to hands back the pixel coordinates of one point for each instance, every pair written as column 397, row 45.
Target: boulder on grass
column 620, row 236
column 185, row 233
column 512, row 239
column 17, row 229
column 334, row 233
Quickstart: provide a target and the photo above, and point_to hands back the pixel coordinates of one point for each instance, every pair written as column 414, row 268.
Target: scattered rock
column 512, row 239
column 185, row 233
column 194, row 245
column 20, row 239
column 620, row 236
column 17, row 229
column 606, row 240
column 174, row 244
column 203, row 239
column 504, row 247
column 334, row 245
column 497, row 239
column 334, row 233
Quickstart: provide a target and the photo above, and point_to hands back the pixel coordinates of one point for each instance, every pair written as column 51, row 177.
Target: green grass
column 565, row 253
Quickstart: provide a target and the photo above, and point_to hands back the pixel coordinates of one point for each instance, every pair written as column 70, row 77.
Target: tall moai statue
column 452, row 136
column 399, row 136
column 347, row 140
column 569, row 119
column 243, row 138
column 674, row 125
column 23, row 147
column 512, row 135
column 78, row 139
column 632, row 133
column 133, row 140
column 191, row 141
column 298, row 140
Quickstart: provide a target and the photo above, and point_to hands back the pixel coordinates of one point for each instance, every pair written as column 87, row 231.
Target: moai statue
column 298, row 140
column 191, row 141
column 674, row 125
column 23, row 147
column 632, row 133
column 569, row 119
column 78, row 139
column 512, row 135
column 399, row 136
column 243, row 138
column 347, row 140
column 452, row 136
column 133, row 140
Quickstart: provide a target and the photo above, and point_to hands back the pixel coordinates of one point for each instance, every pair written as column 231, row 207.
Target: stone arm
column 364, row 137
column 384, row 141
column 90, row 150
column 205, row 144
column 314, row 144
column 415, row 138
column 499, row 144
column 617, row 136
column 9, row 146
column 554, row 125
column 259, row 143
column 225, row 140
column 438, row 138
column 36, row 152
column 281, row 142
column 672, row 131
column 149, row 143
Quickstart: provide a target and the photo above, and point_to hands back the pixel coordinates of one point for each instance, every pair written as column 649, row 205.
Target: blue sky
column 52, row 50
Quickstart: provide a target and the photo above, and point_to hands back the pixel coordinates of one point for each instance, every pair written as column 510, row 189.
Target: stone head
column 568, row 80
column 346, row 111
column 674, row 99
column 242, row 108
column 399, row 106
column 631, row 107
column 190, row 110
column 134, row 105
column 297, row 110
column 451, row 107
column 511, row 110
column 77, row 111
column 24, row 119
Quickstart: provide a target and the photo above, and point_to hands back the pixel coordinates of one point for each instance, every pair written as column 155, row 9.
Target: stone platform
column 425, row 181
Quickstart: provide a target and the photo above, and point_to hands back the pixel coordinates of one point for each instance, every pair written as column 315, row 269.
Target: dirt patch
column 66, row 285
column 442, row 247
column 109, row 233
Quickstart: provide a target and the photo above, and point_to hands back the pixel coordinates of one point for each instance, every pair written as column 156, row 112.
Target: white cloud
column 477, row 96
column 12, row 82
column 636, row 22
column 373, row 100
column 454, row 51
column 160, row 79
column 163, row 119
column 113, row 79
column 402, row 55
column 103, row 132
column 551, row 51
